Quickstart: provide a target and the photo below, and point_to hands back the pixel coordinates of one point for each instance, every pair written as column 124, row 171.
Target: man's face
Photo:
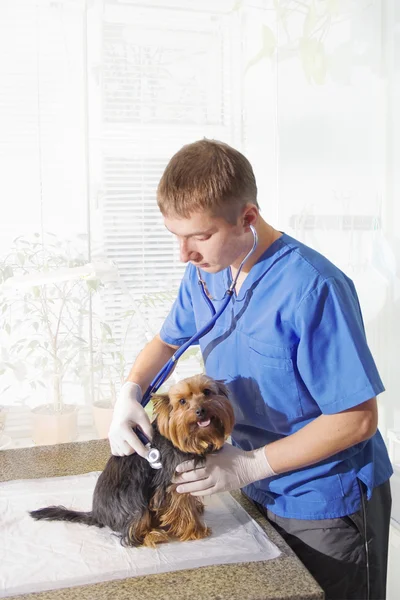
column 209, row 242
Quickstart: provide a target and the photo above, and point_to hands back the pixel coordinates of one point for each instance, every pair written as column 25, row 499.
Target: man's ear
column 161, row 409
column 222, row 389
column 250, row 215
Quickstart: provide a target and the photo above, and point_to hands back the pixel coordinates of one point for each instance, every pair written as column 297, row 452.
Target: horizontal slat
column 137, row 118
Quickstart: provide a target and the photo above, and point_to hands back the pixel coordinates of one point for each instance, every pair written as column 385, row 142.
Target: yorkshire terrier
column 140, row 503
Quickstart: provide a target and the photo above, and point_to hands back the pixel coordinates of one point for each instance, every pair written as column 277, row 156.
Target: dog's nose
column 201, row 412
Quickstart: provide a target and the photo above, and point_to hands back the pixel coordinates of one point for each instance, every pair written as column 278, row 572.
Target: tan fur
column 180, row 515
column 142, row 505
column 179, row 423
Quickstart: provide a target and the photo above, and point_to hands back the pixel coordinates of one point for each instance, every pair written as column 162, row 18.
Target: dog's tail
column 60, row 513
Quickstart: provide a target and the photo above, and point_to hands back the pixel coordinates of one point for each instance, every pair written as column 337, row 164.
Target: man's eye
column 182, row 401
column 203, row 238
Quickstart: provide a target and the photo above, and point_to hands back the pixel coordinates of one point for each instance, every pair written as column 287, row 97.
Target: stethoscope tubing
column 163, row 374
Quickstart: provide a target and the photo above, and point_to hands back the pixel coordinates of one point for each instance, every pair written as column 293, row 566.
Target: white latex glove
column 228, row 469
column 128, row 413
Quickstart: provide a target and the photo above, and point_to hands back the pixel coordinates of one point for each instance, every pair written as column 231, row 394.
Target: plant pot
column 102, row 415
column 3, row 412
column 5, row 440
column 54, row 427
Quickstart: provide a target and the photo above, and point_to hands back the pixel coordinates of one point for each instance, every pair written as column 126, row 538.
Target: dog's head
column 195, row 415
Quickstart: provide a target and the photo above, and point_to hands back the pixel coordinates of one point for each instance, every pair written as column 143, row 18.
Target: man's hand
column 129, row 413
column 228, row 469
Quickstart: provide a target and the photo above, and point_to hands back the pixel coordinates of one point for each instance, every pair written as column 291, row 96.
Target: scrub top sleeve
column 333, row 357
column 180, row 326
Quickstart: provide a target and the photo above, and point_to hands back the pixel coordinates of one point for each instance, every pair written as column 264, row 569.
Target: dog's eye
column 207, row 392
column 182, row 401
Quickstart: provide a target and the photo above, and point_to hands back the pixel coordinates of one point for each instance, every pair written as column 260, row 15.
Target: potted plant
column 108, row 369
column 112, row 359
column 45, row 318
column 4, row 439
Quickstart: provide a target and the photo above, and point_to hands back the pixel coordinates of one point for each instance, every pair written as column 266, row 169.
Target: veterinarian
column 292, row 349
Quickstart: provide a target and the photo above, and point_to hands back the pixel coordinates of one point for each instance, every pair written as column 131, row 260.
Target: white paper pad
column 40, row 555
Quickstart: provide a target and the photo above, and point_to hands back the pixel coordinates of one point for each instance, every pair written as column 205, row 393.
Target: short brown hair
column 207, row 175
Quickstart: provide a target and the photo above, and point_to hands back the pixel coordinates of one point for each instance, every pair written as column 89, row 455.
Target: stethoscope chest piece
column 153, row 458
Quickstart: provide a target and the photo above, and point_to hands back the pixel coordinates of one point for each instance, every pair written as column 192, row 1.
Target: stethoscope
column 154, row 457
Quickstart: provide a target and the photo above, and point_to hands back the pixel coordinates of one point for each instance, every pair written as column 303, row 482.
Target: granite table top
column 281, row 578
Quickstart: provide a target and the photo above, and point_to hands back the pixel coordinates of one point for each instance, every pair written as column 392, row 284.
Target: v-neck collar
column 266, row 260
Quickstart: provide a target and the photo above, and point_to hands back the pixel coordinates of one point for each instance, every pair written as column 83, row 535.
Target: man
column 292, row 349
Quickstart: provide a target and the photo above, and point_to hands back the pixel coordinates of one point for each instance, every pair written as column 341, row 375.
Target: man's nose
column 184, row 251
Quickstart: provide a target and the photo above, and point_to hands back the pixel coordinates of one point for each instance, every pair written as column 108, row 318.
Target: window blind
column 163, row 77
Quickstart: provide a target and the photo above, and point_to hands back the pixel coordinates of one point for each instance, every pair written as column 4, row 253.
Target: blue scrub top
column 291, row 346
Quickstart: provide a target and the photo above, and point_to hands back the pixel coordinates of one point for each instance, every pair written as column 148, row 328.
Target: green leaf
column 312, row 55
column 5, row 306
column 237, row 6
column 20, row 371
column 266, row 51
column 106, row 327
column 8, row 272
column 310, row 21
column 333, row 7
column 93, row 284
column 269, row 41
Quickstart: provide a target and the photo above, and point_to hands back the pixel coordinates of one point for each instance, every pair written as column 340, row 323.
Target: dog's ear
column 161, row 409
column 160, row 403
column 222, row 389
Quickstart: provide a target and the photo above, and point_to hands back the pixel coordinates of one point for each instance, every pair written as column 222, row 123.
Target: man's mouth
column 202, row 265
column 204, row 423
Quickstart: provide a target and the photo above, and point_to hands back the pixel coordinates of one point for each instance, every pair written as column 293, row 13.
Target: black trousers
column 346, row 556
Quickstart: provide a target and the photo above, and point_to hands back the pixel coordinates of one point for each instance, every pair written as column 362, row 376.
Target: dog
column 140, row 504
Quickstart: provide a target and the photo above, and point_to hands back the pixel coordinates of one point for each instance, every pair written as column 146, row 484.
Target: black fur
column 124, row 490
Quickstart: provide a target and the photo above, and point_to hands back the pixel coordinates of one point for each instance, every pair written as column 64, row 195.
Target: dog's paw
column 196, row 534
column 154, row 537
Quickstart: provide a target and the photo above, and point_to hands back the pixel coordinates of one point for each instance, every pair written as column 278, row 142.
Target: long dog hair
column 139, row 503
